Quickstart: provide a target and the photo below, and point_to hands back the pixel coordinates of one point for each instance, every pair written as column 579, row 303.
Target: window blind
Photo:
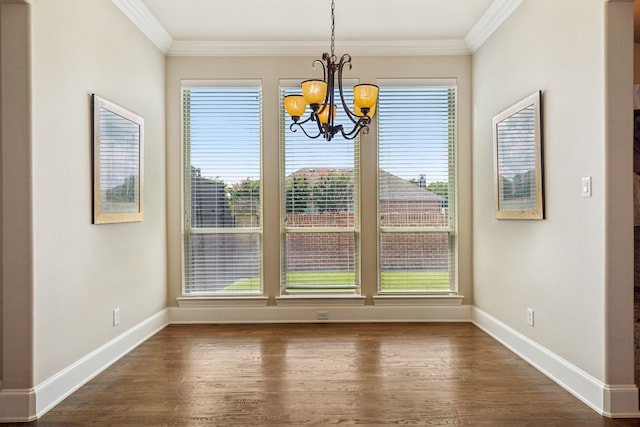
column 222, row 134
column 319, row 208
column 416, row 187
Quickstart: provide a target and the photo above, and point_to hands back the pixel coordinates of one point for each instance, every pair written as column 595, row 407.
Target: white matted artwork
column 118, row 141
column 517, row 150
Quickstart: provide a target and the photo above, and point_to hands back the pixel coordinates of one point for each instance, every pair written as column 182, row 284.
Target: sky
column 413, row 142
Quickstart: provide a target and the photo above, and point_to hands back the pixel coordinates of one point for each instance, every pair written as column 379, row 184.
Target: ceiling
column 289, row 20
column 291, row 27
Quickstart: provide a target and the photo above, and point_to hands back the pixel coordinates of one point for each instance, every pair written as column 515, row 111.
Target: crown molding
column 146, row 22
column 489, row 22
column 274, row 48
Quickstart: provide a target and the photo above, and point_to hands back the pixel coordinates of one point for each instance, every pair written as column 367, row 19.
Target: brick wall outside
column 400, row 251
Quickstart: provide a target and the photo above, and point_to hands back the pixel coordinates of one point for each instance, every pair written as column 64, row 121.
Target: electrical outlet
column 530, row 316
column 322, row 315
column 116, row 316
column 585, row 183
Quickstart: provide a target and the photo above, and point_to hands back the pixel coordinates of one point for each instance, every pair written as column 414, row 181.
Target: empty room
column 288, row 213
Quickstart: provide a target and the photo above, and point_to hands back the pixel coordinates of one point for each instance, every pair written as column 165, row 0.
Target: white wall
column 83, row 271
column 569, row 268
column 569, row 265
column 270, row 70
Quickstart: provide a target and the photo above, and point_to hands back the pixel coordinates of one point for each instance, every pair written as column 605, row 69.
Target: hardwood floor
column 322, row 374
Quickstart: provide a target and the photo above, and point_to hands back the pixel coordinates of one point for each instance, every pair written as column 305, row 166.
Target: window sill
column 235, row 301
column 313, row 300
column 423, row 300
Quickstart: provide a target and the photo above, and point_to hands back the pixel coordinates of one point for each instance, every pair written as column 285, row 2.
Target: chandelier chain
column 333, row 30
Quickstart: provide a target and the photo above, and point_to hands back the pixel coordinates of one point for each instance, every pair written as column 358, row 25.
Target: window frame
column 285, row 121
column 452, row 202
column 186, row 219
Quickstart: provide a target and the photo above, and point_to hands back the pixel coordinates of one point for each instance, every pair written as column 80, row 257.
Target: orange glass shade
column 358, row 111
column 314, row 91
column 295, row 105
column 365, row 95
column 323, row 113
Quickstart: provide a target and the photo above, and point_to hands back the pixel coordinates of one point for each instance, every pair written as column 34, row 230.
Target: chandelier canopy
column 320, row 96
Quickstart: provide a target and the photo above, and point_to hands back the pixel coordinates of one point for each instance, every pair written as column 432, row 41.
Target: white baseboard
column 614, row 401
column 309, row 314
column 27, row 405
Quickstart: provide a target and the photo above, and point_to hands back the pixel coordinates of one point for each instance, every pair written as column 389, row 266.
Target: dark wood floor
column 322, row 374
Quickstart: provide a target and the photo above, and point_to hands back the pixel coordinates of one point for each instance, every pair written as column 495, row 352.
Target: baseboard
column 329, row 314
column 27, row 405
column 17, row 405
column 614, row 401
column 621, row 401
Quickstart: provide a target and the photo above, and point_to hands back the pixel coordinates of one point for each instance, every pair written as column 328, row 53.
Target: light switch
column 586, row 186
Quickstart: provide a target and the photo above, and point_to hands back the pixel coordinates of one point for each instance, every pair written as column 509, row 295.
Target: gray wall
column 575, row 267
column 83, row 271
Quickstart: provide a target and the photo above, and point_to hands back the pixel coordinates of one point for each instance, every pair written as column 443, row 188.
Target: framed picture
column 118, row 136
column 517, row 148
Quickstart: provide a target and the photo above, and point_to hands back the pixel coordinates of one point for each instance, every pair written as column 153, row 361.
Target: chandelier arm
column 345, row 60
column 312, row 117
column 360, row 126
column 299, row 125
column 324, row 67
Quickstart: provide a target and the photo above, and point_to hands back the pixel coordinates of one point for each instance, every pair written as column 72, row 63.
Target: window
column 416, row 186
column 222, row 231
column 319, row 210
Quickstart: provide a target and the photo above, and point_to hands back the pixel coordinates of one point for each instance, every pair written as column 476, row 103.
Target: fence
column 400, row 251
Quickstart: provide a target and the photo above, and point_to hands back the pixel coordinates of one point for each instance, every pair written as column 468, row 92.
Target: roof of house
column 392, row 187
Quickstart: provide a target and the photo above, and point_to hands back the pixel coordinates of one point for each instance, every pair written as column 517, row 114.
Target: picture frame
column 518, row 154
column 118, row 163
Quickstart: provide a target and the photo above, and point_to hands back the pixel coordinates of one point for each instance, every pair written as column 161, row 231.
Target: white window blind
column 319, row 208
column 416, row 187
column 222, row 134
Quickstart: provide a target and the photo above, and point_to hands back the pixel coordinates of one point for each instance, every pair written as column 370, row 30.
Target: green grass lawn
column 414, row 281
column 331, row 281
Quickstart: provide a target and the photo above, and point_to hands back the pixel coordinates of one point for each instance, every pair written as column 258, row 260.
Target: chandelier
column 320, row 96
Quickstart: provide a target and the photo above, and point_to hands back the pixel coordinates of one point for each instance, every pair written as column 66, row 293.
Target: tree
column 244, row 197
column 333, row 193
column 298, row 194
column 126, row 192
column 441, row 188
column 421, row 182
column 507, row 188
